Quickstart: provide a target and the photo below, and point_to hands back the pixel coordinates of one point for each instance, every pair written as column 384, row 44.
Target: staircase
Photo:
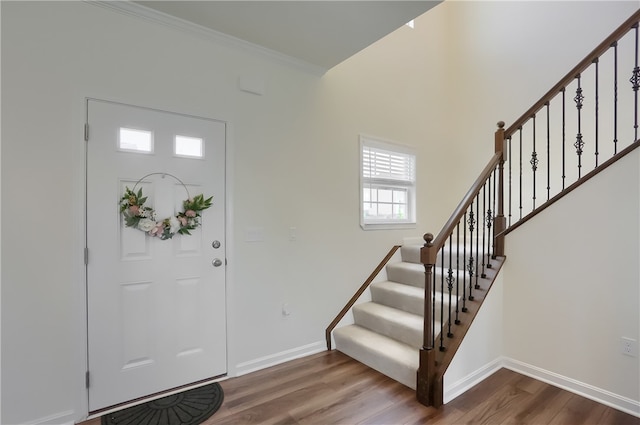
column 388, row 331
column 413, row 340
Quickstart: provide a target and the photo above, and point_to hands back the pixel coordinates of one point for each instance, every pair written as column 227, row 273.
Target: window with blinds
column 387, row 184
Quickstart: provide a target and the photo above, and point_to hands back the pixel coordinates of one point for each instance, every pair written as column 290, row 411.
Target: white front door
column 156, row 308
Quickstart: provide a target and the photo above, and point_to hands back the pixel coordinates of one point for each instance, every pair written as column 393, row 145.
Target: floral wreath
column 137, row 215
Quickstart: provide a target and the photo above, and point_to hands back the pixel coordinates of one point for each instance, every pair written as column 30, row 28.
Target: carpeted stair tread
column 411, row 253
column 395, row 359
column 391, row 322
column 407, row 273
column 398, row 295
column 413, row 274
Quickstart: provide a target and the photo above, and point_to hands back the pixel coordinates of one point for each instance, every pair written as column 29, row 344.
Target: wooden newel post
column 426, row 369
column 500, row 221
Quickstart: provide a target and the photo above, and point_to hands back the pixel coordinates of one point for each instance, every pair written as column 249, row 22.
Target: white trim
column 281, row 357
column 471, row 380
column 600, row 395
column 143, row 12
column 376, row 143
column 229, row 238
column 61, row 418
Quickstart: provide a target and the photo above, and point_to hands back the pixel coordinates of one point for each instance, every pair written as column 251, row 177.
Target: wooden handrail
column 352, row 301
column 453, row 221
column 586, row 62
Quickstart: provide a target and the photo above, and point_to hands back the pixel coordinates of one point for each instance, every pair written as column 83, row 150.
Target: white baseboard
column 62, row 418
column 605, row 397
column 281, row 357
column 459, row 387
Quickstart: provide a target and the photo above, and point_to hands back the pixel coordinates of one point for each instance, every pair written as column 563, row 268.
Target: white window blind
column 386, row 165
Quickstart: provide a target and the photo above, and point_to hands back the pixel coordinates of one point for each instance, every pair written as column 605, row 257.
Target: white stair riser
column 414, row 304
column 413, row 274
column 401, row 331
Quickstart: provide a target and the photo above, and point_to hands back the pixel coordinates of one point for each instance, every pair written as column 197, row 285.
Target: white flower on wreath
column 146, row 225
column 174, row 224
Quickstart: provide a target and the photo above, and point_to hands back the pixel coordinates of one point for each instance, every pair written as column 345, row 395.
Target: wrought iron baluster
column 509, row 149
column 484, row 228
column 520, row 131
column 442, row 299
column 489, row 219
column 450, row 280
column 464, row 259
column 615, row 97
column 596, row 62
column 579, row 144
column 635, row 85
column 564, row 135
column 548, row 153
column 433, row 301
column 477, row 272
column 470, row 265
column 457, row 321
column 534, row 161
column 495, row 211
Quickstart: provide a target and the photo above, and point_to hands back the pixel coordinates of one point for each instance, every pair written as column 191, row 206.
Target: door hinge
column 86, row 132
column 86, row 256
column 87, row 380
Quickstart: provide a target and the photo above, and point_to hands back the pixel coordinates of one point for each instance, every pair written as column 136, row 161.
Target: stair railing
column 359, row 292
column 602, row 111
column 466, row 247
column 587, row 121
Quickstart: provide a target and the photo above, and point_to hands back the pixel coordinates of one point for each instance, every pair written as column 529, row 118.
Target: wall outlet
column 629, row 347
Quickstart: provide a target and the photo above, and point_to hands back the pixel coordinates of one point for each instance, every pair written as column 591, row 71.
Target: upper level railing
column 585, row 123
column 587, row 118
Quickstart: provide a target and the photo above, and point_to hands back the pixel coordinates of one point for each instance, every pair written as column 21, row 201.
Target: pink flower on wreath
column 190, row 213
column 158, row 230
column 182, row 220
column 134, row 209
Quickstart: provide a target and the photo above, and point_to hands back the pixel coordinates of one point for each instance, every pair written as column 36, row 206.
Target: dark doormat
column 191, row 407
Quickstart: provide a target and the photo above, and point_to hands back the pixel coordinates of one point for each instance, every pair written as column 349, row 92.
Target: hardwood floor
column 332, row 388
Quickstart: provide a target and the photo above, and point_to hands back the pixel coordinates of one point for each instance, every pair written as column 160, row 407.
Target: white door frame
column 81, row 400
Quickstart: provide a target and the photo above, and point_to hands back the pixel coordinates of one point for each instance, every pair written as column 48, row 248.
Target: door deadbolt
column 215, row 244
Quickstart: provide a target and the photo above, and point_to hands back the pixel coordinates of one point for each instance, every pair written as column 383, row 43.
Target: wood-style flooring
column 331, row 388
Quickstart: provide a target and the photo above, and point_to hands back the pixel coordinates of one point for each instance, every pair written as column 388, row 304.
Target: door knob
column 216, row 262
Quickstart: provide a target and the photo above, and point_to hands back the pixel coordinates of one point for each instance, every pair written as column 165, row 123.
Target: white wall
column 411, row 88
column 572, row 287
column 294, row 164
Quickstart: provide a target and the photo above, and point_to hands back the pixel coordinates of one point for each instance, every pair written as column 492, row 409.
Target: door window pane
column 188, row 146
column 135, row 140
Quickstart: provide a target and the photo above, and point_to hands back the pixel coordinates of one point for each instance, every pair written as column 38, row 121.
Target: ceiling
column 320, row 33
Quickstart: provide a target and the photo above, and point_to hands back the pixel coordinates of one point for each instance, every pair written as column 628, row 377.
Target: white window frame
column 406, row 183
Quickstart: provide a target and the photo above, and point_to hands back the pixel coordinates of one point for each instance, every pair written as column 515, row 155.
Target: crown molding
column 142, row 12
